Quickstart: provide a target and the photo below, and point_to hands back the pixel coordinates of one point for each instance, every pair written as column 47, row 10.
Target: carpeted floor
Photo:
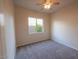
column 46, row 50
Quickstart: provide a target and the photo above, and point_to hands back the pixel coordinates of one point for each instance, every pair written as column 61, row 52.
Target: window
column 35, row 25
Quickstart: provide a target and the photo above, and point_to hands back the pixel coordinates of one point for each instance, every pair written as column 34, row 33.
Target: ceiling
column 32, row 5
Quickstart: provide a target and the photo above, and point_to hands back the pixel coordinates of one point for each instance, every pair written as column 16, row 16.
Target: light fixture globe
column 47, row 6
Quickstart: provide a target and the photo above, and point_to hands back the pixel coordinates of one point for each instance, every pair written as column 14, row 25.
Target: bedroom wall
column 7, row 39
column 64, row 26
column 21, row 25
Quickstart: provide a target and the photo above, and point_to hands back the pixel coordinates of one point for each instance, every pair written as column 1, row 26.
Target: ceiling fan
column 48, row 3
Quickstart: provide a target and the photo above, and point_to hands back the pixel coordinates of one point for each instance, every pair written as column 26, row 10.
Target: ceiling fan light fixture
column 47, row 6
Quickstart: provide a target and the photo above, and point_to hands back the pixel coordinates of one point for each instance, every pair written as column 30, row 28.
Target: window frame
column 43, row 30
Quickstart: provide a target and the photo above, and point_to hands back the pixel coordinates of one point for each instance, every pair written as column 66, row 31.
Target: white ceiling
column 32, row 4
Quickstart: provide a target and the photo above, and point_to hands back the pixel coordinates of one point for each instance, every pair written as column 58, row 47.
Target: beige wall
column 21, row 23
column 64, row 26
column 7, row 39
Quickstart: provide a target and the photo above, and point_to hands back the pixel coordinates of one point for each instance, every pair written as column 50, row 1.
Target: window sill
column 37, row 33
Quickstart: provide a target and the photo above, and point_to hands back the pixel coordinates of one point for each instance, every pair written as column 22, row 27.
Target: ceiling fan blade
column 56, row 3
column 38, row 4
column 43, row 1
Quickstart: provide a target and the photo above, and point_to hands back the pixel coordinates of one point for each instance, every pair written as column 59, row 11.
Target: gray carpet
column 46, row 50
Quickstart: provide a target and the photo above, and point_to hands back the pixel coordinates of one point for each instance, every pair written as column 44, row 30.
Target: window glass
column 35, row 25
